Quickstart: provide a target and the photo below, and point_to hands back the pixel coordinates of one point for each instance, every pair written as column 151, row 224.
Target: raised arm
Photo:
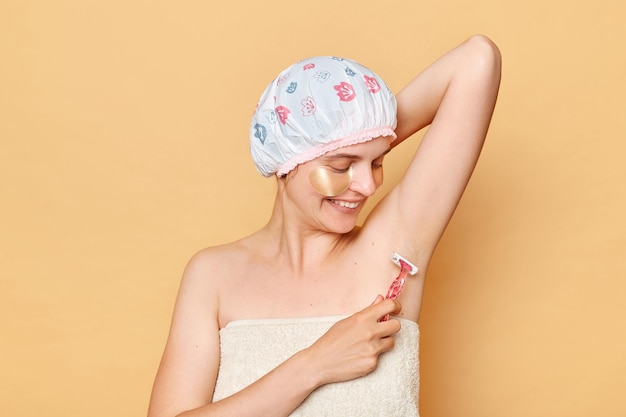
column 456, row 96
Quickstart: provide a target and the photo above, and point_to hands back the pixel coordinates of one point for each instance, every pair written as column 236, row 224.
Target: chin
column 342, row 228
column 339, row 220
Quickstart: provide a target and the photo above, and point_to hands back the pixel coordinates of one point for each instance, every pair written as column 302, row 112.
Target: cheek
column 330, row 183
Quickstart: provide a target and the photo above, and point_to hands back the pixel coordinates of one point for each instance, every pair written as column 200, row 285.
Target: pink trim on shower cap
column 319, row 150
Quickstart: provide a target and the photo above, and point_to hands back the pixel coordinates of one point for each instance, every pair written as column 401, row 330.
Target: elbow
column 485, row 54
column 485, row 48
column 484, row 61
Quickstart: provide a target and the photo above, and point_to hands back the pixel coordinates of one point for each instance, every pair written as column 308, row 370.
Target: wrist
column 308, row 369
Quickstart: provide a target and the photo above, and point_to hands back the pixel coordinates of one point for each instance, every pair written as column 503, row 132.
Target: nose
column 365, row 180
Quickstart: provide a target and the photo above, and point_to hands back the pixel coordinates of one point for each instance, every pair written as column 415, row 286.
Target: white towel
column 251, row 348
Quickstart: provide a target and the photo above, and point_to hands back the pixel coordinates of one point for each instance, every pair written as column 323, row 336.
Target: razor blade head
column 396, row 257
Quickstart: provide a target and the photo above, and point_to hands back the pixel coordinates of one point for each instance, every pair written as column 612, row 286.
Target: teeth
column 346, row 204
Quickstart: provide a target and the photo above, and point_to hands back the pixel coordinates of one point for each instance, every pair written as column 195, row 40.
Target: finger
column 378, row 299
column 397, row 307
column 389, row 327
column 386, row 344
column 384, row 307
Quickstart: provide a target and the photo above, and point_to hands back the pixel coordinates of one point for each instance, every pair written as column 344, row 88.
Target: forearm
column 277, row 393
column 476, row 61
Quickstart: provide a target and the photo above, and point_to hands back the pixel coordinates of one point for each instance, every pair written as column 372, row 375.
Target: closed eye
column 378, row 162
column 337, row 162
column 340, row 169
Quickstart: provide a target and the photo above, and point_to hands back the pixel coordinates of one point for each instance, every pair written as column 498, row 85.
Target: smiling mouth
column 346, row 204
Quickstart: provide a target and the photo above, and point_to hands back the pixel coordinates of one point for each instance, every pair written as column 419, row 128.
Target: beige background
column 123, row 150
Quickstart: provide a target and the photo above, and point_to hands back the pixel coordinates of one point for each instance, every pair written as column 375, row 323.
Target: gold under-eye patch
column 330, row 183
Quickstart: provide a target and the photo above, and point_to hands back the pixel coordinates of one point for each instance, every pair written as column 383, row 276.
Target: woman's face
column 332, row 189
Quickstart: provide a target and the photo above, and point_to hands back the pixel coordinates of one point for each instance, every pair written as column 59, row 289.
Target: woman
column 287, row 321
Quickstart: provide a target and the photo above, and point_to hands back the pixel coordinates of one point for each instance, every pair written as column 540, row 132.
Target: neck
column 298, row 245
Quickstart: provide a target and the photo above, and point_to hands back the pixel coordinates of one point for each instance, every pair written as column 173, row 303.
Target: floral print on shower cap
column 315, row 106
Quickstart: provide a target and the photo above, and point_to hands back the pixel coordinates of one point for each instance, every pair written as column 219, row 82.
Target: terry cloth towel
column 251, row 348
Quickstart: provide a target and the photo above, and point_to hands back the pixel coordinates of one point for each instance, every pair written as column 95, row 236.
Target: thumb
column 378, row 299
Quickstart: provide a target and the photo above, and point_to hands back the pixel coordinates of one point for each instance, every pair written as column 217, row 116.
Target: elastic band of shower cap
column 316, row 106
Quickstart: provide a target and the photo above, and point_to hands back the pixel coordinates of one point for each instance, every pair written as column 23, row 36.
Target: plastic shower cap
column 316, row 106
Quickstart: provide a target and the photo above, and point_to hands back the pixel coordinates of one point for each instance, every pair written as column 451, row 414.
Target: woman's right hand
column 352, row 346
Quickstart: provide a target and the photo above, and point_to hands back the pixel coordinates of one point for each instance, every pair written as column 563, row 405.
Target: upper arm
column 188, row 369
column 456, row 95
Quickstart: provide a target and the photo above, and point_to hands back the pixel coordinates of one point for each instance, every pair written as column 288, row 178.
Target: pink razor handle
column 398, row 283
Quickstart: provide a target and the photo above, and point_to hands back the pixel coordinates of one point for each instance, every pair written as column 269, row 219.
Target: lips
column 346, row 204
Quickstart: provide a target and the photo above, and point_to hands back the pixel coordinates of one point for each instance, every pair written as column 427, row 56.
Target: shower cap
column 316, row 106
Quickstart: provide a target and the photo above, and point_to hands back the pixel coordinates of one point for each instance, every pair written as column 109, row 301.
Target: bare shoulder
column 207, row 261
column 208, row 268
column 214, row 270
